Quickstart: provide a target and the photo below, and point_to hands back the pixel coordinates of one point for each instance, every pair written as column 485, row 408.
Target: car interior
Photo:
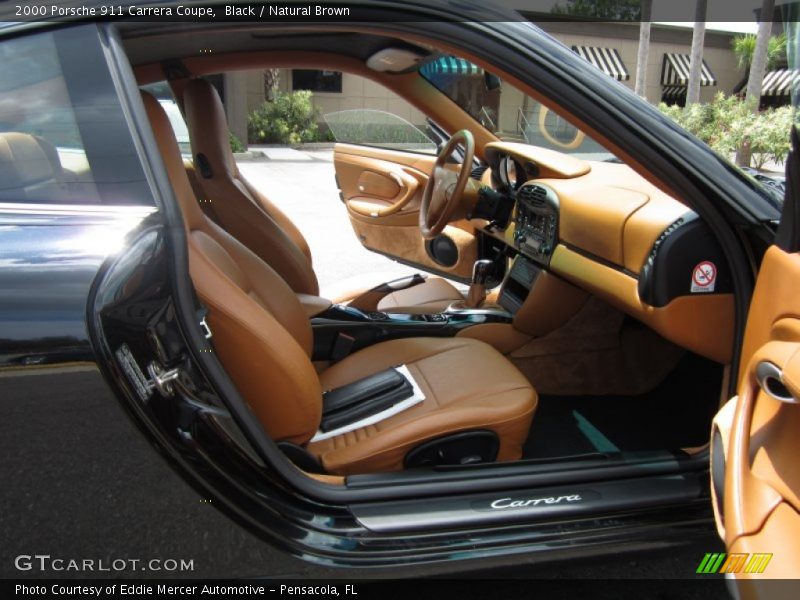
column 592, row 325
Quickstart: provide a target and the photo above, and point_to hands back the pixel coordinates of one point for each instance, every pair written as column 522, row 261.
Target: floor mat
column 676, row 414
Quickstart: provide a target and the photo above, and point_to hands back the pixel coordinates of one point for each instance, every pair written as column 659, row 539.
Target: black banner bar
column 707, row 588
column 324, row 11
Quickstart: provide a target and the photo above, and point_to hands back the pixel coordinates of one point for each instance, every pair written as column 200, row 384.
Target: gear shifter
column 481, row 271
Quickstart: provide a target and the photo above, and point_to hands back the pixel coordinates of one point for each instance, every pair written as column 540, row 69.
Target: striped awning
column 450, row 65
column 673, row 93
column 606, row 59
column 675, row 71
column 780, row 82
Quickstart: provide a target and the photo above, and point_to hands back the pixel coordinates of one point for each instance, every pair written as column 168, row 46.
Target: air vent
column 478, row 172
column 532, row 194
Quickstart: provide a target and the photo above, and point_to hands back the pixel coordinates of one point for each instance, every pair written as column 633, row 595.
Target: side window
column 162, row 92
column 369, row 114
column 317, row 81
column 63, row 135
column 378, row 128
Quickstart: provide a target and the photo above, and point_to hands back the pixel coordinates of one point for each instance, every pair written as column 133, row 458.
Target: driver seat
column 236, row 206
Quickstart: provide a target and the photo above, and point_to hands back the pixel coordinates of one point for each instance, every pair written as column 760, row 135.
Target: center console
column 536, row 222
column 342, row 330
column 518, row 284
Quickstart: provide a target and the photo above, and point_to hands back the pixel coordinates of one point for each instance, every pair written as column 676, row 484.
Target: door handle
column 407, row 186
column 770, row 380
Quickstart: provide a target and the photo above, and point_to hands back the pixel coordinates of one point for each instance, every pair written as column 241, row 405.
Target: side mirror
column 491, row 82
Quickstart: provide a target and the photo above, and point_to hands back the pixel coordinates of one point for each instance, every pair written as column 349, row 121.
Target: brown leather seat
column 264, row 340
column 256, row 222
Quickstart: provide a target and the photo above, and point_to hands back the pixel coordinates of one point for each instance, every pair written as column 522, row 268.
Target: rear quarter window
column 63, row 135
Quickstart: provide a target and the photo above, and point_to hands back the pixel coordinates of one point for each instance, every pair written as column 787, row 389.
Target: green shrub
column 728, row 124
column 290, row 119
column 236, row 145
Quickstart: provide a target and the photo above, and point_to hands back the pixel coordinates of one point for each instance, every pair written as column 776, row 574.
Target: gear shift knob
column 481, row 271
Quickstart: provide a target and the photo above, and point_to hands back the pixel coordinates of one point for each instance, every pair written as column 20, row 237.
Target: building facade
column 611, row 46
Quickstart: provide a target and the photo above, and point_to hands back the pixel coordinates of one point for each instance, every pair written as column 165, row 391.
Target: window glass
column 791, row 24
column 162, row 92
column 377, row 128
column 506, row 111
column 63, row 135
column 317, row 81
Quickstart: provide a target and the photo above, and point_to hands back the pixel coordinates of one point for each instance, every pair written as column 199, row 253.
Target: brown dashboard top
column 549, row 162
column 605, row 209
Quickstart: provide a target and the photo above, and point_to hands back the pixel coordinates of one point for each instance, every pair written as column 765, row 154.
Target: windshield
column 506, row 111
column 755, row 141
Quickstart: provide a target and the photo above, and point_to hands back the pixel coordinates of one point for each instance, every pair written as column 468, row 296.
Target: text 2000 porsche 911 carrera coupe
column 589, row 297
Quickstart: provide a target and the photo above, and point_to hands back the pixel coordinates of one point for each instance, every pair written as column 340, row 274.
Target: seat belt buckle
column 342, row 346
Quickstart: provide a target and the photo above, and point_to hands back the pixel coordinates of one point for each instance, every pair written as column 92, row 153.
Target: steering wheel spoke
column 445, row 186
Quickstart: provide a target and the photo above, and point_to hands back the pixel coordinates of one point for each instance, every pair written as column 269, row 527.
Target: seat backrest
column 30, row 169
column 261, row 332
column 237, row 206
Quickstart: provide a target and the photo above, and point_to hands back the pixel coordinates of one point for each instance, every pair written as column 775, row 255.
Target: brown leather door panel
column 761, row 504
column 382, row 189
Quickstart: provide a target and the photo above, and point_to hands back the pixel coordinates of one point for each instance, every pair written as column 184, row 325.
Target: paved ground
column 302, row 184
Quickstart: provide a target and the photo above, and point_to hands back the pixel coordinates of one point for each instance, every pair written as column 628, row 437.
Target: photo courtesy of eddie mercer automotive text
column 432, row 297
column 143, row 590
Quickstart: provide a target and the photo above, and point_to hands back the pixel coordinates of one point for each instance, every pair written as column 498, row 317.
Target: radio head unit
column 536, row 222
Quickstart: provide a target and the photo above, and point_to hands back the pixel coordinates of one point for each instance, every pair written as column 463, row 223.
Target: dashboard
column 604, row 228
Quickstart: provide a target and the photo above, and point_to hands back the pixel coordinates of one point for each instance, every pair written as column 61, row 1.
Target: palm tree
column 744, row 46
column 758, row 65
column 696, row 65
column 644, row 49
column 271, row 80
column 760, row 57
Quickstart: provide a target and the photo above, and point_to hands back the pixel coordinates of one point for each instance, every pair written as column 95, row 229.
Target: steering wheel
column 445, row 186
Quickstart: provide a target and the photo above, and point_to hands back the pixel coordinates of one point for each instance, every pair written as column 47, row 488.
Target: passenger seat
column 264, row 340
column 257, row 223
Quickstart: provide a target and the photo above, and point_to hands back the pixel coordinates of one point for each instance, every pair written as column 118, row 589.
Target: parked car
column 565, row 406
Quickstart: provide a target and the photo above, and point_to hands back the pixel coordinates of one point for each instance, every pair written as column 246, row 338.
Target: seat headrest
column 29, row 167
column 193, row 216
column 208, row 127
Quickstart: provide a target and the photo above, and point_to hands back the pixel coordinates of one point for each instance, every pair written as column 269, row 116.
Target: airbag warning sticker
column 704, row 277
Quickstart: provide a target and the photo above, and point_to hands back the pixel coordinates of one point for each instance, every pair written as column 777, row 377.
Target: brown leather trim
column 433, row 296
column 467, row 385
column 774, row 298
column 314, row 305
column 701, row 323
column 551, row 302
column 549, row 162
column 762, row 482
column 239, row 208
column 503, row 337
column 407, row 244
column 329, row 479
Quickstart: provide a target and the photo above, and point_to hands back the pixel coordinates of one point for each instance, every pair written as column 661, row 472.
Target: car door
column 756, row 436
column 382, row 165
